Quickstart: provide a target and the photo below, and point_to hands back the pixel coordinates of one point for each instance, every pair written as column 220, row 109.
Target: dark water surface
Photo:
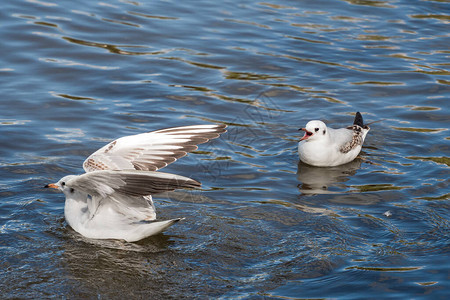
column 77, row 74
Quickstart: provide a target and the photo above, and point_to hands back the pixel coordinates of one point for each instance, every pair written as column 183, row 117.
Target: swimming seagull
column 112, row 200
column 326, row 147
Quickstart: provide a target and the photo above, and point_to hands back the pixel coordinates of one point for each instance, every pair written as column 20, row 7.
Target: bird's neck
column 325, row 139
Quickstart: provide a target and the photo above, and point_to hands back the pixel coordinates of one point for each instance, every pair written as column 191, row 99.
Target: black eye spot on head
column 72, row 190
column 63, row 183
column 316, row 129
column 324, row 131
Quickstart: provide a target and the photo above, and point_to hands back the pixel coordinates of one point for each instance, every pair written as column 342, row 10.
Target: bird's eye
column 63, row 183
column 316, row 129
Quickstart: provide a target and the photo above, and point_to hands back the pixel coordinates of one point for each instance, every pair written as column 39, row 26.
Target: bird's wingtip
column 358, row 119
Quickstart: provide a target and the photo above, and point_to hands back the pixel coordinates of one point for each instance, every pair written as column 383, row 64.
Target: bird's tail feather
column 149, row 228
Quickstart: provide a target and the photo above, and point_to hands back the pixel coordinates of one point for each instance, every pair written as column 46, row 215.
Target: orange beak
column 307, row 134
column 51, row 185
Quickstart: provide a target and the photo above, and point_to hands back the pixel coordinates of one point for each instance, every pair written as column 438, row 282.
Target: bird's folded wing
column 153, row 150
column 131, row 182
column 352, row 138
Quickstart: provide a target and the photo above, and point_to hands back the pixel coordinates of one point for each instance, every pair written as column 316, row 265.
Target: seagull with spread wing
column 112, row 200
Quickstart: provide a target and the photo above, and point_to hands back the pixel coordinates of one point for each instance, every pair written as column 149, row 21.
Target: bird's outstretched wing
column 152, row 150
column 129, row 182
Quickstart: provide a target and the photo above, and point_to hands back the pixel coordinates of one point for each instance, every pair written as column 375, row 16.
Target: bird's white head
column 62, row 185
column 314, row 130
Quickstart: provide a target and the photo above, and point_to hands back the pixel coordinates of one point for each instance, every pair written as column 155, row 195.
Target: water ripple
column 75, row 77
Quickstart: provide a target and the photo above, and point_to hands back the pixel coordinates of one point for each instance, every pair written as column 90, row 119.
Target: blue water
column 76, row 75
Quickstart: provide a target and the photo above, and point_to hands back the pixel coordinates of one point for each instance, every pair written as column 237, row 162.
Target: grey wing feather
column 130, row 182
column 153, row 150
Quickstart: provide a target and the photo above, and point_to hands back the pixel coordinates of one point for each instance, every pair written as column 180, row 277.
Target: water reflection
column 109, row 266
column 330, row 180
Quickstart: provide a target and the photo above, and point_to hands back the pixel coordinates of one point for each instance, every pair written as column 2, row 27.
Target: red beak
column 307, row 134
